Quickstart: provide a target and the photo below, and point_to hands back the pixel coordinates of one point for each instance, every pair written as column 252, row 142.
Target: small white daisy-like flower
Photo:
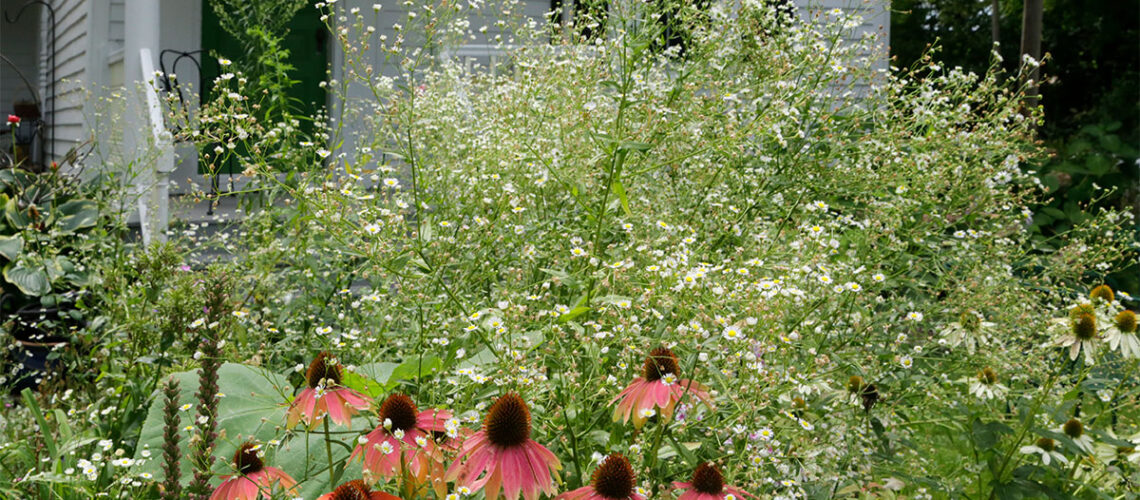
column 372, row 228
column 914, row 316
column 732, row 332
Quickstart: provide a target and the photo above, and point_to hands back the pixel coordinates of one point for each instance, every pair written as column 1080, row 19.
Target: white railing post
column 154, row 195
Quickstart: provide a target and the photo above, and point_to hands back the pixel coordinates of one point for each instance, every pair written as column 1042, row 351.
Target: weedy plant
column 670, row 250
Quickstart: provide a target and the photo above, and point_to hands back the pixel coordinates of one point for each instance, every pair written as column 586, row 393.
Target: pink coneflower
column 612, row 480
column 325, row 395
column 256, row 480
column 707, row 484
column 657, row 390
column 356, row 490
column 404, row 440
column 503, row 456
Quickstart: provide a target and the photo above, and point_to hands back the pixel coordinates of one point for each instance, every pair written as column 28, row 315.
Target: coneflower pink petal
column 222, row 492
column 354, row 399
column 494, row 481
column 433, row 420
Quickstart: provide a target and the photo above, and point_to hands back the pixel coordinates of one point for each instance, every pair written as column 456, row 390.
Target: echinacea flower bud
column 988, row 376
column 323, row 371
column 1126, row 321
column 614, row 478
column 660, row 362
column 508, row 421
column 1073, row 428
column 854, row 384
column 1102, row 292
column 1084, row 326
column 708, row 479
column 1046, row 444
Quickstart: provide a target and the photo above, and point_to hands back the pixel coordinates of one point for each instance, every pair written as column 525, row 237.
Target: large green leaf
column 253, row 407
column 376, row 379
column 15, row 217
column 77, row 214
column 11, row 246
column 32, row 282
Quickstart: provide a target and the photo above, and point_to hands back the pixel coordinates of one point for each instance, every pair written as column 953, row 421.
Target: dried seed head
column 1084, row 327
column 1073, row 428
column 246, row 459
column 854, row 384
column 1102, row 292
column 401, row 411
column 870, row 396
column 707, row 479
column 614, row 478
column 1126, row 321
column 660, row 362
column 508, row 421
column 323, row 371
column 1046, row 444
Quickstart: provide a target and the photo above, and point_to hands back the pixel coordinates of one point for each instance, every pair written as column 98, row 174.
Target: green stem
column 328, row 452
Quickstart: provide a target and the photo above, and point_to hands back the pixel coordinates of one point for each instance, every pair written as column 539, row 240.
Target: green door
column 307, row 43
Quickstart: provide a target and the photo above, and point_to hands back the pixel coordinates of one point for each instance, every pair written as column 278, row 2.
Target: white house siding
column 71, row 46
column 876, row 22
column 19, row 43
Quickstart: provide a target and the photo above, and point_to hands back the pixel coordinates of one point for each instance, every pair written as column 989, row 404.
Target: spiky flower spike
column 502, row 459
column 1102, row 293
column 254, row 479
column 707, row 484
column 171, row 430
column 402, row 445
column 356, row 490
column 612, row 480
column 657, row 390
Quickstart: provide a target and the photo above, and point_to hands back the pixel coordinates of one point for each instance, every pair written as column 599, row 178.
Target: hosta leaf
column 11, row 246
column 33, row 282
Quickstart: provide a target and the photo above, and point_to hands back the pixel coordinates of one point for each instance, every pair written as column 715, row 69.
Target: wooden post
column 1031, row 19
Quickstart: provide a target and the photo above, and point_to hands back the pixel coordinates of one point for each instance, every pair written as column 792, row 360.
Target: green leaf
column 619, row 189
column 77, row 214
column 16, row 218
column 31, row 282
column 376, row 379
column 988, row 434
column 11, row 246
column 574, row 313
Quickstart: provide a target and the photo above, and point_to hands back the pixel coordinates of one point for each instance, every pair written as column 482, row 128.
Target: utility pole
column 1031, row 19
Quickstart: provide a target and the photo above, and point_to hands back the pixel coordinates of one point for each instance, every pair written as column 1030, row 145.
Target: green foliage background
column 1090, row 93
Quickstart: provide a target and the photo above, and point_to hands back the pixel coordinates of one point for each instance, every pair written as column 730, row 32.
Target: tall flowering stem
column 202, row 444
column 171, row 488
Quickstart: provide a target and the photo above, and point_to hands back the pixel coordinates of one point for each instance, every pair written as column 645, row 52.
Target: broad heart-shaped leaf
column 31, row 282
column 77, row 214
column 377, row 379
column 253, row 407
column 11, row 246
